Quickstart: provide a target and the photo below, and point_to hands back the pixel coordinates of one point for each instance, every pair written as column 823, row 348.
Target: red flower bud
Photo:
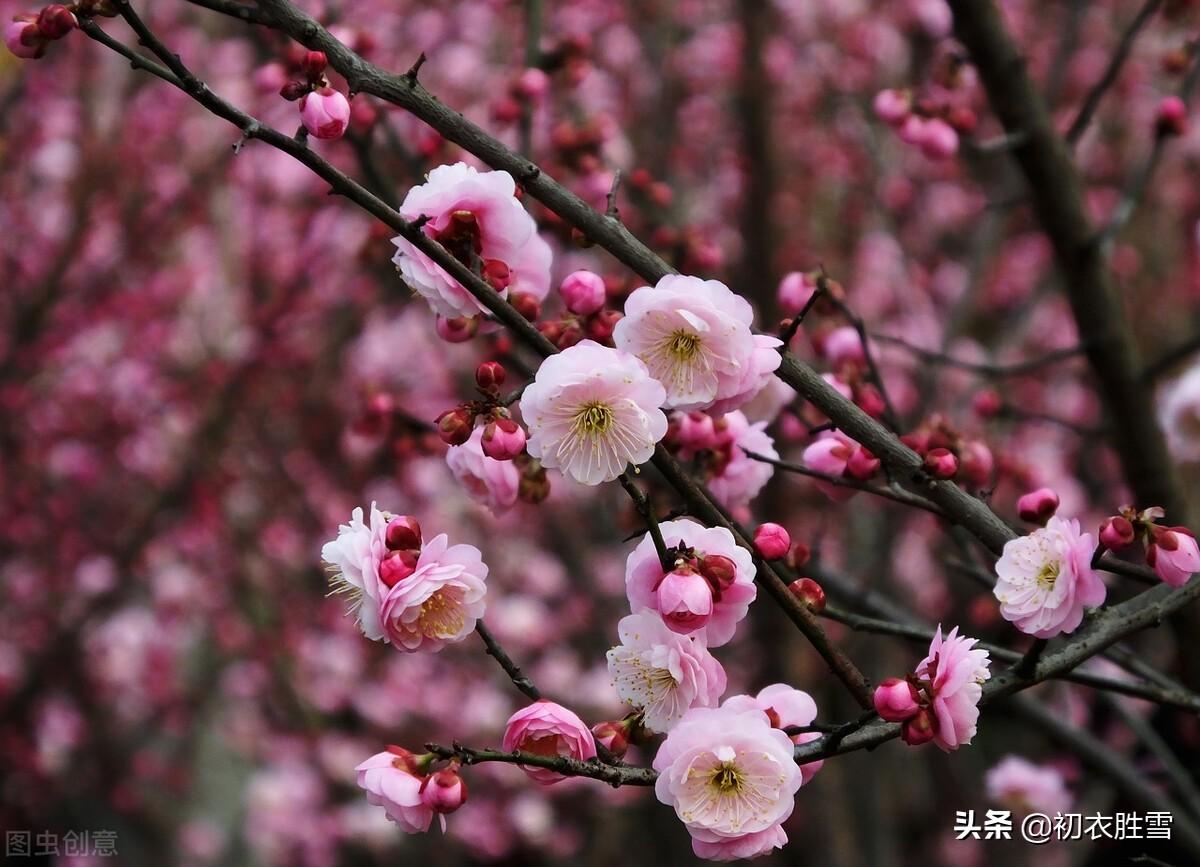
column 799, row 556
column 490, row 375
column 613, row 736
column 458, row 329
column 526, row 305
column 397, row 566
column 1116, row 533
column 718, row 570
column 809, row 592
column 454, row 426
column 919, row 728
column 294, row 90
column 313, row 64
column 56, row 21
column 403, row 533
column 941, row 463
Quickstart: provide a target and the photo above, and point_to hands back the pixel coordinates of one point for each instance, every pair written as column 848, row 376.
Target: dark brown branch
column 520, row 680
column 642, row 503
column 614, row 775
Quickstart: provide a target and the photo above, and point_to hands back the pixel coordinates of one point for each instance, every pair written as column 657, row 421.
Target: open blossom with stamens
column 353, row 559
column 731, row 779
column 1024, row 787
column 548, row 729
column 491, row 482
column 476, row 216
column 661, row 673
column 784, row 706
column 694, row 336
column 591, row 411
column 690, row 543
column 736, row 478
column 955, row 672
column 1045, row 579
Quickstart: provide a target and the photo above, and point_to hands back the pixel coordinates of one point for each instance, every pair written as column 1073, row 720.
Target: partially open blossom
column 1024, row 787
column 695, row 338
column 325, row 112
column 493, row 483
column 730, row 777
column 592, row 411
column 583, row 292
column 684, row 598
column 440, row 602
column 735, row 478
column 22, row 38
column 644, row 575
column 444, row 791
column 1173, row 554
column 503, row 439
column 772, row 541
column 1036, row 507
column 390, row 782
column 955, row 671
column 1045, row 579
column 785, row 706
column 548, row 729
column 896, row 700
column 353, row 559
column 835, row 454
column 472, row 214
column 1117, row 533
column 661, row 673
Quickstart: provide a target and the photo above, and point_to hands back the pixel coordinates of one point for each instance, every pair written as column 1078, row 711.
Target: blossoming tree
column 844, row 380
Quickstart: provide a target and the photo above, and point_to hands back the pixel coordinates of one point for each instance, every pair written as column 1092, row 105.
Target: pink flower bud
column 497, row 274
column 526, row 305
column 976, row 464
column 809, row 592
column 893, row 106
column 987, row 403
column 23, row 38
column 1174, row 555
column 444, row 791
column 489, row 375
column 896, row 700
column 862, row 465
column 454, row 426
column 718, row 570
column 939, row 141
column 457, row 329
column 403, row 533
column 696, row 431
column 772, row 541
column 325, row 113
column 1038, row 506
column 912, row 130
column 920, row 728
column 56, row 21
column 799, row 556
column 941, row 463
column 843, row 346
column 870, row 401
column 1117, row 533
column 503, row 439
column 569, row 336
column 795, row 289
column 1172, row 116
column 532, row 84
column 613, row 736
column 685, row 600
column 313, row 64
column 397, row 566
column 583, row 292
column 600, row 326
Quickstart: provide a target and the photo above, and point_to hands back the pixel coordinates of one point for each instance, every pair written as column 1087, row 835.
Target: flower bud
column 718, row 570
column 862, row 465
column 939, row 141
column 941, row 463
column 503, row 439
column 456, row 329
column 1116, row 533
column 569, row 336
column 397, row 566
column 600, row 327
column 613, row 736
column 799, row 556
column 294, row 90
column 531, row 84
column 1038, row 506
column 454, row 426
column 896, row 700
column 919, row 728
column 685, row 600
column 56, row 21
column 892, row 106
column 490, row 375
column 794, row 292
column 772, row 541
column 987, row 403
column 1172, row 116
column 325, row 113
column 496, row 274
column 313, row 64
column 403, row 533
column 444, row 791
column 582, row 292
column 1174, row 555
column 22, row 37
column 526, row 305
column 809, row 592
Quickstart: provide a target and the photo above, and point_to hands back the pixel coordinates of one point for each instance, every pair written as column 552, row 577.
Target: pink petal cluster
column 389, row 783
column 1045, row 579
column 694, row 336
column 662, row 673
column 730, row 777
column 591, row 411
column 955, row 672
column 835, row 454
column 548, row 729
column 1174, row 555
column 491, row 482
column 784, row 706
column 1025, row 787
column 733, row 478
column 478, row 209
column 353, row 559
column 644, row 577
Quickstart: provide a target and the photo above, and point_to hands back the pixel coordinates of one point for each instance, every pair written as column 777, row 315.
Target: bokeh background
column 206, row 362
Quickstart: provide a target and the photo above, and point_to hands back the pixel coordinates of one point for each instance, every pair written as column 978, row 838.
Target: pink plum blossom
column 591, row 411
column 695, row 338
column 440, row 602
column 784, row 706
column 661, row 673
column 1024, row 787
column 354, row 558
column 390, row 782
column 325, row 113
column 955, row 671
column 472, row 213
column 548, row 729
column 736, row 478
column 491, row 482
column 1179, row 415
column 583, row 292
column 1174, row 555
column 23, row 39
column 1045, row 579
column 730, row 777
column 644, row 575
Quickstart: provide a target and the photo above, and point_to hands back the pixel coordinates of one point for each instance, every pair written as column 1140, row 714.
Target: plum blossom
column 955, row 672
column 473, row 214
column 591, row 411
column 733, row 478
column 353, row 559
column 1173, row 554
column 390, row 781
column 694, row 336
column 661, row 673
column 1025, row 787
column 491, row 482
column 784, row 706
column 691, row 544
column 730, row 777
column 1045, row 579
column 1179, row 415
column 548, row 729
